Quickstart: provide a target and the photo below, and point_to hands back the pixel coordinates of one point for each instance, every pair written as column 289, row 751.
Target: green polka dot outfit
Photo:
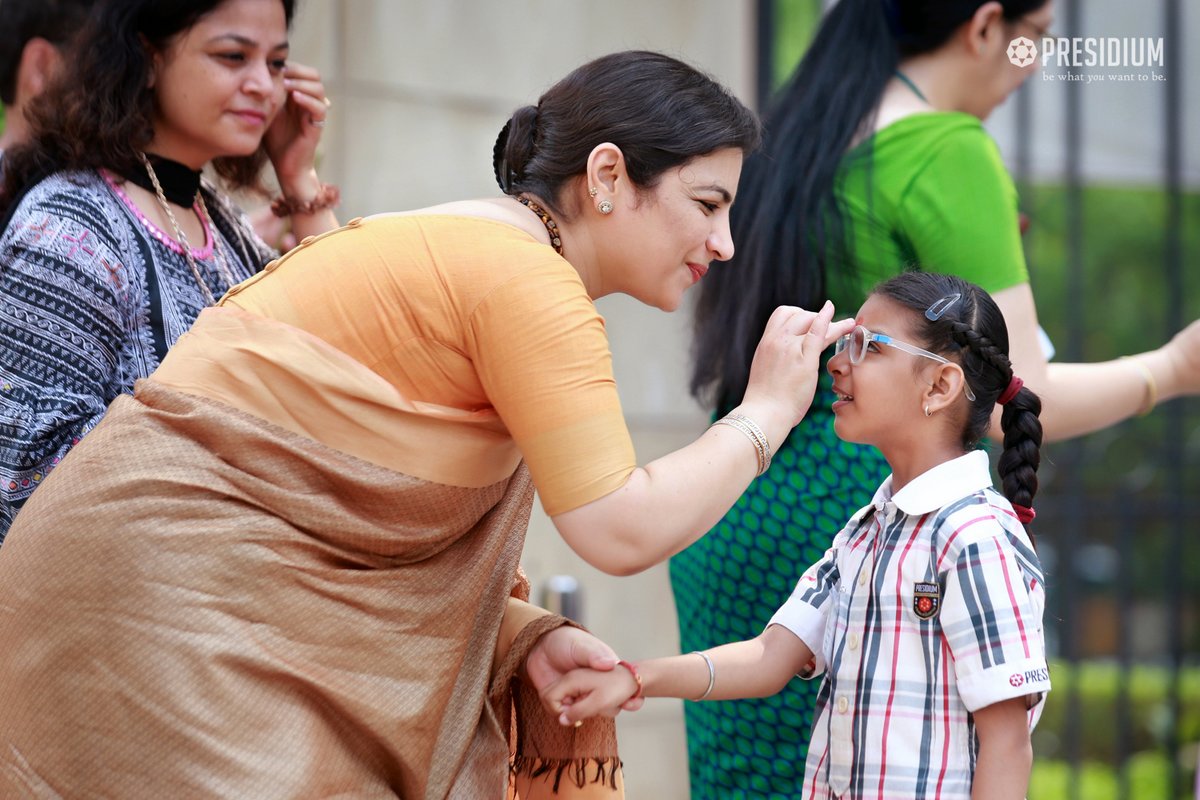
column 729, row 583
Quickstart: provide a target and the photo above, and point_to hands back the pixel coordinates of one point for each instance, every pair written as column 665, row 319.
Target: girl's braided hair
column 970, row 331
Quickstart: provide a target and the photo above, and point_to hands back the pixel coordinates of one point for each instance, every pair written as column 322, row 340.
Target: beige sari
column 201, row 603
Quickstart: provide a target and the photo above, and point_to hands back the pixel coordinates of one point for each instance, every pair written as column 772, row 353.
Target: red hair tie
column 1024, row 513
column 1009, row 393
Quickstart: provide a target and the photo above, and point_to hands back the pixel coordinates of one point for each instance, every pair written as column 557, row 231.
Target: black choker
column 179, row 181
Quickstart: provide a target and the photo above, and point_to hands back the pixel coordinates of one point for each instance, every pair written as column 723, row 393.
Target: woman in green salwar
column 875, row 162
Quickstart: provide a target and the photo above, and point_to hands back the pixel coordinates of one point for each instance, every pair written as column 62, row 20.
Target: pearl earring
column 604, row 207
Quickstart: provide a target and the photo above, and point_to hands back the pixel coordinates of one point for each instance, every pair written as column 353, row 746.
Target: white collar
column 949, row 481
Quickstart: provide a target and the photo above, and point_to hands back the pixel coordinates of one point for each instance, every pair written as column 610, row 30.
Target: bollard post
column 563, row 595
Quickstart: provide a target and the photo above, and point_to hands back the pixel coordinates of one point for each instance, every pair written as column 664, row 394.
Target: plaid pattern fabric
column 927, row 607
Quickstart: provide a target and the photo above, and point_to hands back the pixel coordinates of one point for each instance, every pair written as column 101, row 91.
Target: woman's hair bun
column 514, row 149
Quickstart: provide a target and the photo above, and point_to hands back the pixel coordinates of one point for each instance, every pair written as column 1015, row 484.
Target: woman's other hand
column 564, row 649
column 1183, row 351
column 291, row 141
column 783, row 376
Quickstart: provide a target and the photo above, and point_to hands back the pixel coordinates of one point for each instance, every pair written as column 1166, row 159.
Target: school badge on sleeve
column 926, row 600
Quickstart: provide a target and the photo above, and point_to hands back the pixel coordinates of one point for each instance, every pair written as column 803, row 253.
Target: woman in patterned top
column 925, row 615
column 113, row 243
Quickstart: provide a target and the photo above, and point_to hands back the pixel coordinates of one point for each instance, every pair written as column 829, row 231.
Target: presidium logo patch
column 926, row 600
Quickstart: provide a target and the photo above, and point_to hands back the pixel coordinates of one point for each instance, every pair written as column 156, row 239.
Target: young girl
column 925, row 615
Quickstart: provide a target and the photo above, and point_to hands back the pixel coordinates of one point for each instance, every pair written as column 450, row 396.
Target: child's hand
column 564, row 649
column 585, row 693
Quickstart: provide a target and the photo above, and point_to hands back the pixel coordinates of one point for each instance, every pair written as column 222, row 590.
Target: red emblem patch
column 1016, row 679
column 926, row 599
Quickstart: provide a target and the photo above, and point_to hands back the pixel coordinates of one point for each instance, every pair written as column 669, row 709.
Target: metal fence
column 1119, row 511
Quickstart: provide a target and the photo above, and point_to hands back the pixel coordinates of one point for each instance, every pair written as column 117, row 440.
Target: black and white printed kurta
column 91, row 297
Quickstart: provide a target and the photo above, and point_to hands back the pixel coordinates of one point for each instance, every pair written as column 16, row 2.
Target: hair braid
column 974, row 330
column 1018, row 463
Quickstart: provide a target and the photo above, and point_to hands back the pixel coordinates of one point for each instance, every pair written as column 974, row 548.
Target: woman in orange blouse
column 289, row 563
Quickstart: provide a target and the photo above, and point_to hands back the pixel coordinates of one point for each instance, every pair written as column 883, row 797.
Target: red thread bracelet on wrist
column 636, row 677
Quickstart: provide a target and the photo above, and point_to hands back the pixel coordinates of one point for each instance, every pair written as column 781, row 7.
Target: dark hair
column 788, row 223
column 660, row 111
column 972, row 333
column 56, row 21
column 100, row 110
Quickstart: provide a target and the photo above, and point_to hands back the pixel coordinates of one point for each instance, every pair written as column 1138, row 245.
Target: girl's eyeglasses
column 856, row 342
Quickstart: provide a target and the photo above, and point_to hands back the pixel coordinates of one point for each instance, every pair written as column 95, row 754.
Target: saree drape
column 198, row 602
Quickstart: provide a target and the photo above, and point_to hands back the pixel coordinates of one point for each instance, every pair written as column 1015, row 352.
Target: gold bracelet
column 1151, row 386
column 762, row 447
column 712, row 674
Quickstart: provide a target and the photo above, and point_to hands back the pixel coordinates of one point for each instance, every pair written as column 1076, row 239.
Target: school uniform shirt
column 927, row 607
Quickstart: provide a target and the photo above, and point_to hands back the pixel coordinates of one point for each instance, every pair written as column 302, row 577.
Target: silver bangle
column 762, row 447
column 712, row 674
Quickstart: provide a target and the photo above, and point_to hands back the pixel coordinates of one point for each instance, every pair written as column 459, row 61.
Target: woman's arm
column 1005, row 754
column 62, row 322
column 1082, row 398
column 970, row 228
column 291, row 143
column 759, row 667
column 672, row 501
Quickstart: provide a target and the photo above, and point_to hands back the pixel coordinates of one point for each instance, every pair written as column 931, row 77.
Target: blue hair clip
column 939, row 309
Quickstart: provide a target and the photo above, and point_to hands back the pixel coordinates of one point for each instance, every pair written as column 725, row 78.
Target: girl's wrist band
column 762, row 447
column 636, row 677
column 712, row 674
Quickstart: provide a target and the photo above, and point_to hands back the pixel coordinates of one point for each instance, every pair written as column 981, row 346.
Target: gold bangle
column 762, row 447
column 1151, row 386
column 712, row 674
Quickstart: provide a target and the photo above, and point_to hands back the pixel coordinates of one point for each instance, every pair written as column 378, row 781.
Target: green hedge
column 1148, row 768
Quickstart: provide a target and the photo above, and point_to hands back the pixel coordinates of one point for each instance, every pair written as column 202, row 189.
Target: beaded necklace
column 206, row 218
column 547, row 220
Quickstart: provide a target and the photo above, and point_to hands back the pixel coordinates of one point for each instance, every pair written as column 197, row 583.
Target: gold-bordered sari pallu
column 198, row 602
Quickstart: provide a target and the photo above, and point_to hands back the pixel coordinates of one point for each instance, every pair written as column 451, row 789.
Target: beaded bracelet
column 762, row 447
column 636, row 677
column 327, row 196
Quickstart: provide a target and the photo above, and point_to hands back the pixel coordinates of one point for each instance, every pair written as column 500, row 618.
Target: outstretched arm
column 1082, row 398
column 668, row 504
column 759, row 667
